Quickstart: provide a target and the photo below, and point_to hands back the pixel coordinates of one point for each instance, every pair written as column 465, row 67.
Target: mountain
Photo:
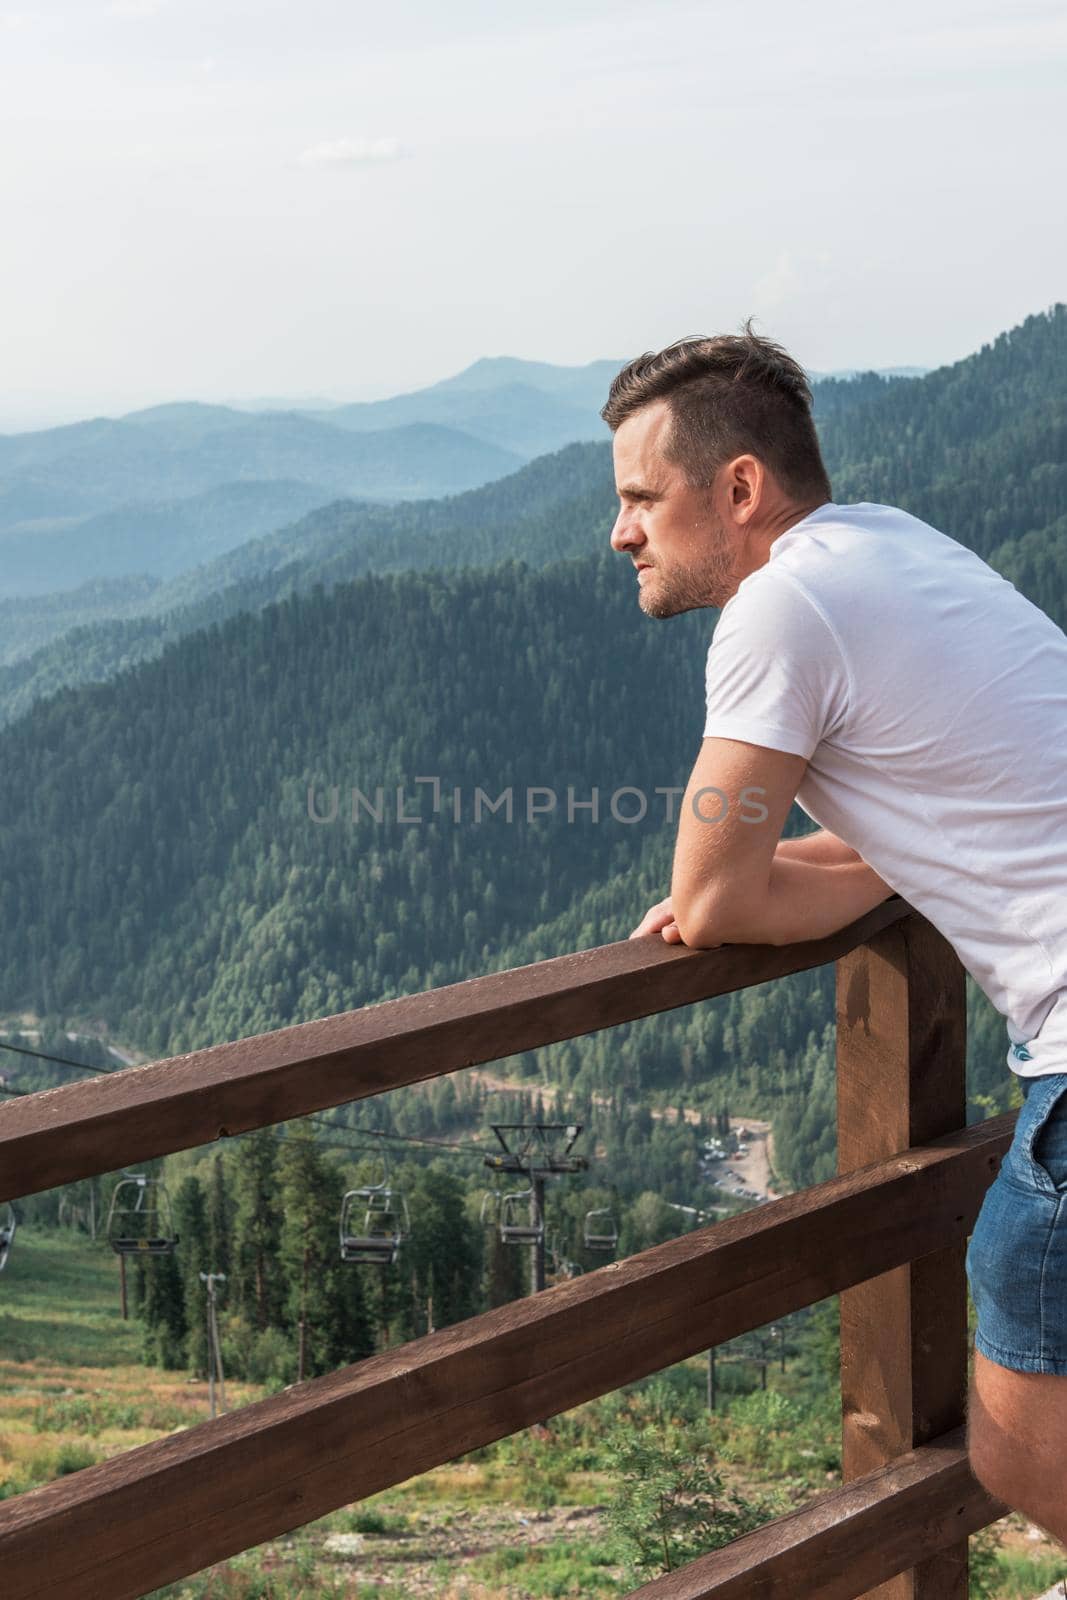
column 515, row 416
column 161, row 539
column 111, row 464
column 862, row 372
column 550, row 509
column 564, row 503
column 30, row 623
column 978, row 448
column 162, row 870
column 166, row 488
column 183, row 785
column 586, row 386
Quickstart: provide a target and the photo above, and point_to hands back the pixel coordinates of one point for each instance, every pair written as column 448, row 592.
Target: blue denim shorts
column 1017, row 1256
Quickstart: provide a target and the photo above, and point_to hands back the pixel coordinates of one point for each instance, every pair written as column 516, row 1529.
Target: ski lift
column 489, row 1215
column 7, row 1234
column 139, row 1221
column 521, row 1221
column 600, row 1231
column 385, row 1225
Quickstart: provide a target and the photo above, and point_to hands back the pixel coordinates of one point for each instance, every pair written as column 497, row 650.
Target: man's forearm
column 822, row 847
column 803, row 900
column 808, row 900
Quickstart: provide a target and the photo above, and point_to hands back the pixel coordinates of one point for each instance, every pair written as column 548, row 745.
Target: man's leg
column 1017, row 1441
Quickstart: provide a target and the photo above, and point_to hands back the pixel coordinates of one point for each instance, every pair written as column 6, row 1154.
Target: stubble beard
column 688, row 588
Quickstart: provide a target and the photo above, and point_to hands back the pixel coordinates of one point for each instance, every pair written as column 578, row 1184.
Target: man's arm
column 822, row 847
column 729, row 884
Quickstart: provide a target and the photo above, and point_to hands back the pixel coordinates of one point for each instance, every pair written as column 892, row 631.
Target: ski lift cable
column 375, row 1133
column 404, row 1138
column 60, row 1061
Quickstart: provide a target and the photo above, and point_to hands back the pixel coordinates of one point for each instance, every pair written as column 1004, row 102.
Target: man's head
column 715, row 455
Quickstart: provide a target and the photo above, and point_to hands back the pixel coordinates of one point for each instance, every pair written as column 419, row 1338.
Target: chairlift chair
column 139, row 1220
column 7, row 1234
column 600, row 1234
column 489, row 1215
column 385, row 1225
column 521, row 1221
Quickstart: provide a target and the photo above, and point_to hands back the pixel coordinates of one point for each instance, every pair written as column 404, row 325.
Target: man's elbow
column 707, row 921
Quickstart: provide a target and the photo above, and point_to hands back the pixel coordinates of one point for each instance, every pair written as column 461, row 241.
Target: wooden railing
column 888, row 1233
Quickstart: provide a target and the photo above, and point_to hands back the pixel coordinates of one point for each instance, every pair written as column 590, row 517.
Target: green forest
column 354, row 760
column 165, row 874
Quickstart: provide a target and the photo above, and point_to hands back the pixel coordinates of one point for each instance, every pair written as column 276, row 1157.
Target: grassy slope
column 523, row 1518
column 59, row 1302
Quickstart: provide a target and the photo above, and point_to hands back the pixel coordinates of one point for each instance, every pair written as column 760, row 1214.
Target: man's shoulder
column 842, row 549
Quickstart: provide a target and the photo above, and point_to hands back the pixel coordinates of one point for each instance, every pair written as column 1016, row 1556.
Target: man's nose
column 626, row 534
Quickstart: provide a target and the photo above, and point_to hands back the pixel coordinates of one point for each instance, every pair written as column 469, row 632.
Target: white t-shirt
column 930, row 698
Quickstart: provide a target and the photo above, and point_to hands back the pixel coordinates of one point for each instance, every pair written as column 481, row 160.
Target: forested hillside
column 162, row 871
column 159, row 538
column 996, row 417
column 978, row 448
column 554, row 507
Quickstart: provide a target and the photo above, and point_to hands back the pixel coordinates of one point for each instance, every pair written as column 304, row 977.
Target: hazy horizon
column 228, row 201
column 41, row 414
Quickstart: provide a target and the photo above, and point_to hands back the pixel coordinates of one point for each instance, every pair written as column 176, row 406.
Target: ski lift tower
column 538, row 1150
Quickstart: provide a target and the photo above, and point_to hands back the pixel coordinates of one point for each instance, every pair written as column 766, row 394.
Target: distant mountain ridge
column 153, row 491
column 109, row 464
column 160, row 539
column 1005, row 504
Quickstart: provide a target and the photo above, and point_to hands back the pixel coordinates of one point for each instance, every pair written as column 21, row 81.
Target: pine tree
column 163, row 1312
column 193, row 1255
column 219, row 1216
column 324, row 1303
column 445, row 1252
column 258, row 1286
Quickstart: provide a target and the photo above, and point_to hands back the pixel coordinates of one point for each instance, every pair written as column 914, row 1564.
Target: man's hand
column 660, row 919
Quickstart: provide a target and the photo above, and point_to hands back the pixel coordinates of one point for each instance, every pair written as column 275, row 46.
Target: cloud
column 776, row 285
column 135, row 8
column 350, row 152
column 794, row 273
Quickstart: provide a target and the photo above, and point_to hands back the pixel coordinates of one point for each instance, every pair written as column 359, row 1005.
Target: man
column 914, row 704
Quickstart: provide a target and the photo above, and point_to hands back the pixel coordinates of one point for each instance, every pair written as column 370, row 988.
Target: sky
column 226, row 200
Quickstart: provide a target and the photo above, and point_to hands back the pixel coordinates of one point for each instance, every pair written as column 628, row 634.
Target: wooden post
column 901, row 1037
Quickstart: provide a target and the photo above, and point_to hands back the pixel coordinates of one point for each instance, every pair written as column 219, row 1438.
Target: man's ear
column 743, row 480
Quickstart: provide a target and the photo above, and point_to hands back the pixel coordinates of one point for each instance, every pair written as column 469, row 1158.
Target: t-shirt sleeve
column 775, row 675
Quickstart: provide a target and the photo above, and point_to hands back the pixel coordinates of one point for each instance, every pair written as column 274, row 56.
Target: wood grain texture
column 167, row 1509
column 911, row 1512
column 901, row 1047
column 121, row 1118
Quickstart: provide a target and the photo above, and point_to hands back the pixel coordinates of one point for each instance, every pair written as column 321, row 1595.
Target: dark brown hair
column 731, row 395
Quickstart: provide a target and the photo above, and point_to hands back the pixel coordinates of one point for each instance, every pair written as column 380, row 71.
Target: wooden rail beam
column 105, row 1123
column 901, row 1515
column 160, row 1512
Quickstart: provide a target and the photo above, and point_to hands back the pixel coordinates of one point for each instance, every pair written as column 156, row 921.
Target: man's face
column 683, row 553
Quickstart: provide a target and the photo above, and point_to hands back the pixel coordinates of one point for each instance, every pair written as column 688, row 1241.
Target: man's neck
column 778, row 522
